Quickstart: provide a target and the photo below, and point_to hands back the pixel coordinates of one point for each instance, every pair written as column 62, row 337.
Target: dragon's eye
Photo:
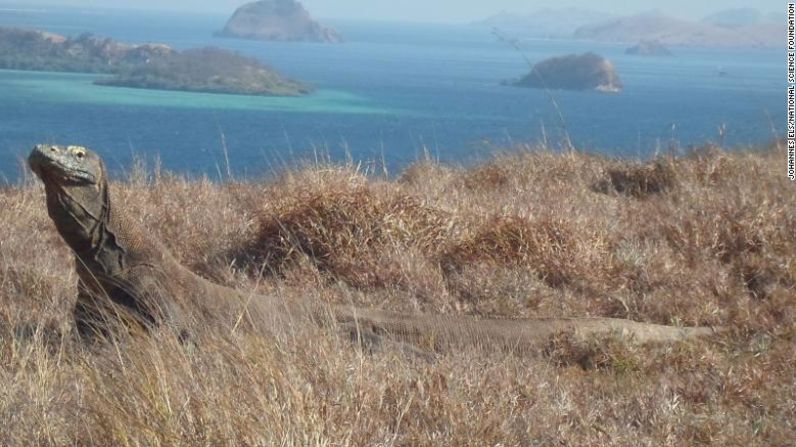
column 79, row 153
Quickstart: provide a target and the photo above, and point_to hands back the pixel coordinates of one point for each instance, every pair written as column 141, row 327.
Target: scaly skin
column 127, row 276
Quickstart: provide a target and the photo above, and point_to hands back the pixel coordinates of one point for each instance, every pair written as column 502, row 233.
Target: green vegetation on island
column 151, row 66
column 210, row 70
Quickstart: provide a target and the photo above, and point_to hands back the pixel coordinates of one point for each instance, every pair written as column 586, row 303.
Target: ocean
column 392, row 93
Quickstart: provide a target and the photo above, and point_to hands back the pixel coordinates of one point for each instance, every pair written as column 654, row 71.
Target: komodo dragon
column 126, row 275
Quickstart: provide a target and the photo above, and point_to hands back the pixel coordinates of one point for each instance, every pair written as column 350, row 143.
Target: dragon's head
column 67, row 166
column 77, row 191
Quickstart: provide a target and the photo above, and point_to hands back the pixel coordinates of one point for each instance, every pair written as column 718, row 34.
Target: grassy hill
column 706, row 239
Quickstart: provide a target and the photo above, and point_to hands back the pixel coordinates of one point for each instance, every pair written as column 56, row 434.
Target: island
column 150, row 66
column 586, row 71
column 277, row 20
column 209, row 70
column 649, row 48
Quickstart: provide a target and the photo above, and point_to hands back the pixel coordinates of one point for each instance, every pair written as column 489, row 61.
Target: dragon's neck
column 82, row 216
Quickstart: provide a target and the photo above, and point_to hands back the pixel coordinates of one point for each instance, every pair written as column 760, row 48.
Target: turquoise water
column 78, row 89
column 391, row 92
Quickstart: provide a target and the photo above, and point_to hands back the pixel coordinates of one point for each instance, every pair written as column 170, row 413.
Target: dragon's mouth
column 54, row 167
column 53, row 179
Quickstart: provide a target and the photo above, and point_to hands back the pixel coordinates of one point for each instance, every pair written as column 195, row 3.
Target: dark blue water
column 390, row 92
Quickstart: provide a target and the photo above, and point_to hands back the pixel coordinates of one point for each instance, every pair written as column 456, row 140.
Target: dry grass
column 704, row 239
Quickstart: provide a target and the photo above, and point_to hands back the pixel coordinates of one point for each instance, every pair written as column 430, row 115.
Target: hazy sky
column 433, row 10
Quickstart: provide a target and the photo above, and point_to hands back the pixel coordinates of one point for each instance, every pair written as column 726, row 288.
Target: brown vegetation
column 707, row 239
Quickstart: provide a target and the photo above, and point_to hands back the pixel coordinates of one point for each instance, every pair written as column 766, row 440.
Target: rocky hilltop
column 152, row 66
column 279, row 20
column 586, row 71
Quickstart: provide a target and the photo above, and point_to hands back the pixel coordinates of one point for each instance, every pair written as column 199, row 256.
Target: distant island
column 277, row 20
column 586, row 71
column 711, row 32
column 747, row 27
column 150, row 66
column 649, row 48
